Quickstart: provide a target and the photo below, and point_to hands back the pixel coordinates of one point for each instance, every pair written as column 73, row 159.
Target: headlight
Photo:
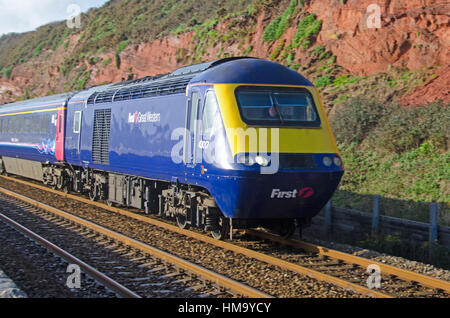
column 337, row 161
column 262, row 161
column 327, row 161
column 247, row 160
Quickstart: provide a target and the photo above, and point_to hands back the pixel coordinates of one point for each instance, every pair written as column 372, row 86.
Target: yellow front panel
column 291, row 140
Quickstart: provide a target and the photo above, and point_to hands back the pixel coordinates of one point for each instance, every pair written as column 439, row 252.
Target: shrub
column 322, row 81
column 353, row 121
column 318, row 50
column 407, row 128
column 277, row 50
column 117, row 58
column 83, row 80
column 122, row 46
column 106, row 61
column 271, row 30
column 278, row 26
column 325, row 55
column 346, row 80
column 307, row 27
column 390, row 126
column 38, row 49
column 6, row 71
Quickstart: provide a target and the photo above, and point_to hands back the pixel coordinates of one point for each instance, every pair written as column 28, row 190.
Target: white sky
column 26, row 15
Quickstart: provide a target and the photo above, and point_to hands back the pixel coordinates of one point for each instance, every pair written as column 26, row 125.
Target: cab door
column 191, row 133
column 77, row 125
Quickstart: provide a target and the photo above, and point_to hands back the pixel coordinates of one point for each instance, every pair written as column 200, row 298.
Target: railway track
column 395, row 278
column 131, row 262
column 103, row 279
column 305, row 260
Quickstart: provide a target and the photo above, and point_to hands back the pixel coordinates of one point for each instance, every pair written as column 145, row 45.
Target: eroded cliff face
column 414, row 34
column 411, row 34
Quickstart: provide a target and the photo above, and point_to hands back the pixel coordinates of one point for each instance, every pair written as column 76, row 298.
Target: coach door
column 191, row 133
column 59, row 143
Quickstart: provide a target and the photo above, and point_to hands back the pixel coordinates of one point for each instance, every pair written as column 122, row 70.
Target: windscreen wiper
column 276, row 108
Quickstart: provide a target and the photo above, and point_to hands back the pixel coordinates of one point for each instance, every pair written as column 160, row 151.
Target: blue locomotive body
column 243, row 139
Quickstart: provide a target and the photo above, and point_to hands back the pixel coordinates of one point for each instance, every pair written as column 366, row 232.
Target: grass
column 275, row 29
column 38, row 49
column 345, row 80
column 122, row 45
column 307, row 28
column 83, row 80
column 276, row 52
column 106, row 61
column 397, row 153
column 6, row 71
column 322, row 81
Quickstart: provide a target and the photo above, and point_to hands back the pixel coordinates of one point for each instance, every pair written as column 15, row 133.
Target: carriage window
column 209, row 112
column 11, row 125
column 19, row 124
column 77, row 122
column 5, row 125
column 35, row 124
column 277, row 106
column 45, row 123
column 27, row 125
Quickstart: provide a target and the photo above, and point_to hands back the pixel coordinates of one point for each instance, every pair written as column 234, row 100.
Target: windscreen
column 277, row 106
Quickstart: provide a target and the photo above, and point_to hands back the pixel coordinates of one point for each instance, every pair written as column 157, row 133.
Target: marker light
column 262, row 161
column 247, row 160
column 327, row 161
column 337, row 161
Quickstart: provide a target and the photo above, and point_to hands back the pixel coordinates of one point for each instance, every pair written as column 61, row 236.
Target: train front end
column 277, row 161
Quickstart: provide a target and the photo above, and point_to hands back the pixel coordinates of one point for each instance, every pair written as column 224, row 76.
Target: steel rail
column 116, row 287
column 348, row 258
column 222, row 244
column 208, row 275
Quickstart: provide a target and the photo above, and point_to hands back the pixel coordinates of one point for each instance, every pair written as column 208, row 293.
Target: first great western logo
column 303, row 193
column 148, row 117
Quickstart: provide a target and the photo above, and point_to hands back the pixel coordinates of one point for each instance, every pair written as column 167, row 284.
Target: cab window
column 277, row 106
column 209, row 113
column 77, row 122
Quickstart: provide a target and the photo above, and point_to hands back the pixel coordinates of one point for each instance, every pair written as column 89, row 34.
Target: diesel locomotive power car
column 237, row 142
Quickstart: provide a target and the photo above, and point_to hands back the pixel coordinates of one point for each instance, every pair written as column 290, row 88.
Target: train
column 234, row 143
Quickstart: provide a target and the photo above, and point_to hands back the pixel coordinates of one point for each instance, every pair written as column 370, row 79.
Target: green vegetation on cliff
column 279, row 25
column 398, row 153
column 115, row 22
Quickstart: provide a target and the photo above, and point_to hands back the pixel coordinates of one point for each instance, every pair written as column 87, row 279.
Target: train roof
column 245, row 70
column 228, row 70
column 250, row 71
column 35, row 103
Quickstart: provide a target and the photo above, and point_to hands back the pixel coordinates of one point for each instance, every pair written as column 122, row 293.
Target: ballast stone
column 8, row 289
